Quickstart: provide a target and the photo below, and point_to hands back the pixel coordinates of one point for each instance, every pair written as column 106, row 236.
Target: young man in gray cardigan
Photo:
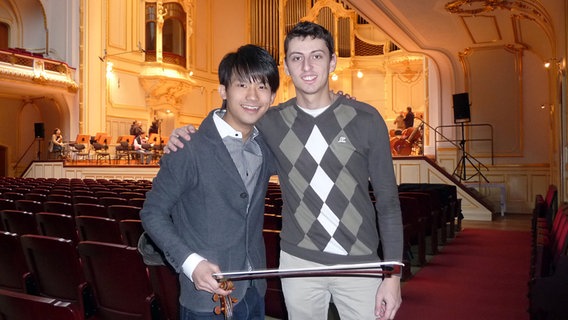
column 206, row 207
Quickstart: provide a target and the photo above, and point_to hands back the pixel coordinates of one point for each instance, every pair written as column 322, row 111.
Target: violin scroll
column 226, row 302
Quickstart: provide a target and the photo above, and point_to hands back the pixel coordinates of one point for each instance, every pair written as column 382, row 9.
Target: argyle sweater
column 325, row 164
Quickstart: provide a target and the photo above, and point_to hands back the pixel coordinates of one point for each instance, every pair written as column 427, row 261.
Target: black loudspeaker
column 461, row 108
column 39, row 130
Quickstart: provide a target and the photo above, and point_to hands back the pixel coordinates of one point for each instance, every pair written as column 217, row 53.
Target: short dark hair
column 250, row 62
column 305, row 29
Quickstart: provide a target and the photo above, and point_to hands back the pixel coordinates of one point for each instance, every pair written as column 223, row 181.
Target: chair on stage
column 80, row 148
column 57, row 272
column 101, row 148
column 22, row 306
column 123, row 212
column 57, row 225
column 158, row 143
column 58, row 207
column 98, row 229
column 14, row 273
column 120, row 281
column 130, row 230
column 124, row 148
column 90, row 209
column 29, row 205
column 18, row 221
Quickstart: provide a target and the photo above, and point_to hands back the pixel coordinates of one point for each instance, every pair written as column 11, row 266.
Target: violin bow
column 374, row 269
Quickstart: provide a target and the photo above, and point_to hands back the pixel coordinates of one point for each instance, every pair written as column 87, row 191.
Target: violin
column 226, row 302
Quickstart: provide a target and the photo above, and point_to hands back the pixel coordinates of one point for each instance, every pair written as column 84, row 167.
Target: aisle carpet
column 481, row 274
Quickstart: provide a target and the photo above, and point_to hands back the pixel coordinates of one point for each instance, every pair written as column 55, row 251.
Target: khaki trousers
column 309, row 297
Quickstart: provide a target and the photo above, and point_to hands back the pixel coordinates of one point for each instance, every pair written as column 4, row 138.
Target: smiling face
column 247, row 102
column 309, row 63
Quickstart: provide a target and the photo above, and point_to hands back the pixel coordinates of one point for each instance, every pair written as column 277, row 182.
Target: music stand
column 154, row 138
column 98, row 135
column 82, row 138
column 127, row 138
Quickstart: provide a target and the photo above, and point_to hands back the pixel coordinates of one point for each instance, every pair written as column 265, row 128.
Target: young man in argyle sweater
column 328, row 148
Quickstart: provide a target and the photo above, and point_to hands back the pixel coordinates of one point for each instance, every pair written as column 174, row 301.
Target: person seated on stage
column 56, row 143
column 142, row 147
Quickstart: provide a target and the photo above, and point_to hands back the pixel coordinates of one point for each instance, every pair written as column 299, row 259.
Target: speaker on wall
column 39, row 130
column 461, row 107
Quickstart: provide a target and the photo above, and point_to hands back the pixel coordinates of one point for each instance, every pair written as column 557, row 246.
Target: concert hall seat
column 90, row 209
column 12, row 195
column 109, row 201
column 22, row 306
column 98, row 229
column 36, row 196
column 85, row 199
column 165, row 285
column 414, row 230
column 29, row 205
column 58, row 207
column 57, row 273
column 18, row 221
column 105, row 193
column 120, row 281
column 274, row 298
column 137, row 202
column 130, row 230
column 57, row 225
column 7, row 204
column 82, row 192
column 129, row 195
column 122, row 212
column 60, row 197
column 14, row 273
column 428, row 217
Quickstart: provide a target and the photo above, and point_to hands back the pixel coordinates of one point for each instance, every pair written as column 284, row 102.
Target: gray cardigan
column 198, row 204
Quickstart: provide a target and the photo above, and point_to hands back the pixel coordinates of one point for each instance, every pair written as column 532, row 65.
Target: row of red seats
column 548, row 287
column 95, row 280
column 29, row 289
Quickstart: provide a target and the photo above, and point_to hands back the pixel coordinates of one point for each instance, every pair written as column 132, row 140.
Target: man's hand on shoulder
column 175, row 142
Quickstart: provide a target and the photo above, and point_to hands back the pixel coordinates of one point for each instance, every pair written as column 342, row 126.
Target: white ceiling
column 452, row 27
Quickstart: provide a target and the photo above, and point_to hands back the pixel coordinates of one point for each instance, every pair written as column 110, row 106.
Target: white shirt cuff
column 190, row 264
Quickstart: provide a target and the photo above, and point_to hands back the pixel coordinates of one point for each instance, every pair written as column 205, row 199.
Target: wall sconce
column 334, row 76
column 359, row 74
